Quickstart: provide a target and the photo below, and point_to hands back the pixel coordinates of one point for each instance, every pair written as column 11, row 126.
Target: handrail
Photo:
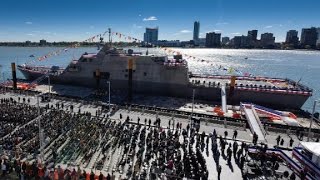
column 259, row 121
column 310, row 164
column 289, row 160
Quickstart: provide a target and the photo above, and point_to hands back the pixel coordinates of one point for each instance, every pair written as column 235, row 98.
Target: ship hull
column 170, row 81
column 275, row 100
column 30, row 75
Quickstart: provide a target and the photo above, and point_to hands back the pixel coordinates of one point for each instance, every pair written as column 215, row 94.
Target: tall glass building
column 196, row 31
column 151, row 35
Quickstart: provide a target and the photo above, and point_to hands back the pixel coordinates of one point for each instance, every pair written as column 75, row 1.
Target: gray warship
column 135, row 72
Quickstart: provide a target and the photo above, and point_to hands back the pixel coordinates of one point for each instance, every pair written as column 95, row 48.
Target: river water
column 293, row 64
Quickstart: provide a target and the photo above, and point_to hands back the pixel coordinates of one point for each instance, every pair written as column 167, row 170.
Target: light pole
column 109, row 103
column 4, row 82
column 312, row 118
column 193, row 93
column 40, row 131
column 49, row 86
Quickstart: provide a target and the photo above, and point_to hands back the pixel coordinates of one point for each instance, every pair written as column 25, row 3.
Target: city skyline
column 78, row 20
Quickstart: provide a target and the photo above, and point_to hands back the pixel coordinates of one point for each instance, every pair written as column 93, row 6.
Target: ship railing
column 248, row 78
column 266, row 79
column 292, row 82
column 173, row 64
column 254, row 88
column 272, row 90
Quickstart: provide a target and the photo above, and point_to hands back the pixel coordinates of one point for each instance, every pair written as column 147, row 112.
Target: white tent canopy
column 312, row 147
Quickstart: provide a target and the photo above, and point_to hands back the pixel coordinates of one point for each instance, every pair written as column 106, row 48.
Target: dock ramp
column 254, row 121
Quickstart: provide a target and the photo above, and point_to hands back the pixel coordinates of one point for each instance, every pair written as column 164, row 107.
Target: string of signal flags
column 229, row 70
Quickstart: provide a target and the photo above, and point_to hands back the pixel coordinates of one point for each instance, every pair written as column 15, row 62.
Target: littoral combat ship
column 162, row 75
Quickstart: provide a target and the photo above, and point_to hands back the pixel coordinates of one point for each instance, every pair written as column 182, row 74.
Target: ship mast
column 110, row 38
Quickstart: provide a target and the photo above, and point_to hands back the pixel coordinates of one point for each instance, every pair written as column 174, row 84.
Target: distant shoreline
column 95, row 45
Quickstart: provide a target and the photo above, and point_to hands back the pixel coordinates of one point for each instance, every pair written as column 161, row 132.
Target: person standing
column 291, row 142
column 108, row 177
column 73, row 174
column 242, row 159
column 101, row 176
column 229, row 154
column 239, row 153
column 235, row 134
column 235, row 148
column 225, row 134
column 301, row 136
column 91, row 175
column 255, row 138
column 278, row 140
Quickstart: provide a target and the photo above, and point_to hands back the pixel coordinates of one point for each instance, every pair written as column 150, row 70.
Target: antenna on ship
column 110, row 38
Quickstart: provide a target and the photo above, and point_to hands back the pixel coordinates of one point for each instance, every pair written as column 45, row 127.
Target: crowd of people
column 14, row 114
column 76, row 144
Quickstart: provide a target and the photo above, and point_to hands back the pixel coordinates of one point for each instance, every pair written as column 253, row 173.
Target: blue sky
column 68, row 20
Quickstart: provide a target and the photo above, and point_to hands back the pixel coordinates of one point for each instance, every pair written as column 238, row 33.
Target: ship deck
column 249, row 82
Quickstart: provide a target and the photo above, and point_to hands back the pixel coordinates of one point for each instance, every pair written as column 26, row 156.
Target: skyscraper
column 225, row 40
column 240, row 42
column 213, row 39
column 42, row 42
column 252, row 38
column 196, row 31
column 151, row 35
column 309, row 37
column 252, row 35
column 292, row 37
column 267, row 40
column 318, row 31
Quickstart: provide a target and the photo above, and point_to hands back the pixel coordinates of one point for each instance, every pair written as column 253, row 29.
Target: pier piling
column 14, row 75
